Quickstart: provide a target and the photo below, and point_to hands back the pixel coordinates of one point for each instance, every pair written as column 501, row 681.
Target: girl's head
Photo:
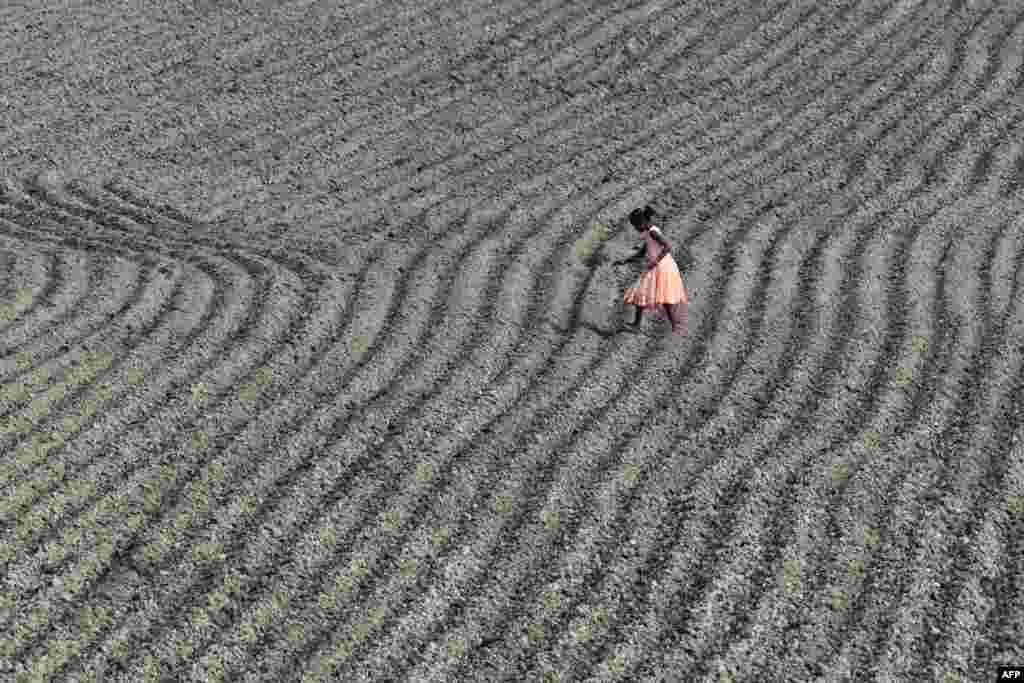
column 641, row 218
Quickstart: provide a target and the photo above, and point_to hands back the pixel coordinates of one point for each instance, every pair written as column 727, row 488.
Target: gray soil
column 385, row 422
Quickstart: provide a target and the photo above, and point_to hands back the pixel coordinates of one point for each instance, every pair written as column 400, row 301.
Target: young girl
column 660, row 287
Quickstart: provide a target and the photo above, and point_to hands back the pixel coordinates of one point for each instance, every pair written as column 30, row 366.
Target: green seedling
column 184, row 647
column 40, row 377
column 872, row 439
column 296, row 632
column 583, row 632
column 327, row 601
column 359, row 567
column 200, row 392
column 535, row 632
column 8, row 312
column 840, row 472
column 23, row 360
column 360, row 344
column 840, row 600
column 391, row 519
column 200, row 439
column 872, row 536
column 456, row 647
column 920, row 344
column 424, row 472
column 617, row 664
column 551, row 519
column 264, row 375
column 15, row 391
column 904, row 376
column 344, row 583
column 218, row 601
column 503, row 503
column 631, row 473
column 407, row 567
column 1016, row 505
column 134, row 376
column 791, row 576
column 248, row 392
column 440, row 536
column 552, row 677
column 329, row 536
column 552, row 599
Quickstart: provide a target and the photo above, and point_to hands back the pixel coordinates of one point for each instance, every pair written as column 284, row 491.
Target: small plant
column 23, row 360
column 951, row 677
column 552, row 599
column 248, row 391
column 218, row 601
column 456, row 647
column 359, row 567
column 840, row 472
column 725, row 676
column 552, row 677
column 904, row 376
column 209, row 551
column 840, row 600
column 535, row 632
column 200, row 392
column 134, row 376
column 583, row 632
column 360, row 631
column 600, row 616
column 23, row 297
column 424, row 472
column 631, row 473
column 8, row 312
column 104, row 391
column 1015, row 505
column 264, row 375
column 391, row 519
column 360, row 344
column 15, row 391
column 791, row 576
column 184, row 648
column 440, row 536
column 407, row 567
column 40, row 377
column 248, row 633
column 872, row 439
column 200, row 617
column 200, row 439
column 344, row 583
column 872, row 536
column 920, row 344
column 329, row 536
column 327, row 601
column 551, row 519
column 296, row 632
column 503, row 503
column 617, row 664
column 375, row 615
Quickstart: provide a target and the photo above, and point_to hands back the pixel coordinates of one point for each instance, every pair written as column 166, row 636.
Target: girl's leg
column 639, row 313
column 671, row 313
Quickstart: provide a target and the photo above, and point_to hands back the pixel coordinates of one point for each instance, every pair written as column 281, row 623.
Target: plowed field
column 313, row 365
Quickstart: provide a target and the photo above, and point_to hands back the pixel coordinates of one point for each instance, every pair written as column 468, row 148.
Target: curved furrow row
column 67, row 292
column 338, row 353
column 436, row 171
column 868, row 617
column 29, row 278
column 233, row 341
column 270, row 328
column 1004, row 591
column 783, row 524
column 375, row 63
column 982, row 469
column 656, row 562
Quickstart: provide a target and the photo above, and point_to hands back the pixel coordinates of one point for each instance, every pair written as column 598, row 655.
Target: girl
column 660, row 287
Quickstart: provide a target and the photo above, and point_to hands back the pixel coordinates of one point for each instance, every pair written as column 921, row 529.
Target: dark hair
column 640, row 216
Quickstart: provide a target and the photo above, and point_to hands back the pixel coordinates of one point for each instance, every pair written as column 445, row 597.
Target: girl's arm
column 666, row 247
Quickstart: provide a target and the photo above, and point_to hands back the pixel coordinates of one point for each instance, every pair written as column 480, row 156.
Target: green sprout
column 503, row 503
column 791, row 576
column 904, row 376
column 424, row 472
column 872, row 439
column 920, row 343
column 872, row 536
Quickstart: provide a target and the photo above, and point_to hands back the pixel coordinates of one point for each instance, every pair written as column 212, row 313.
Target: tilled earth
column 313, row 362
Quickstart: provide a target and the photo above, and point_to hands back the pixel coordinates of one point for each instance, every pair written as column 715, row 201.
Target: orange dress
column 660, row 286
